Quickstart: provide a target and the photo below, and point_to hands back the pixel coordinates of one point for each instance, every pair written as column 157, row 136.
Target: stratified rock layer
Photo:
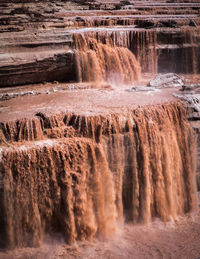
column 37, row 44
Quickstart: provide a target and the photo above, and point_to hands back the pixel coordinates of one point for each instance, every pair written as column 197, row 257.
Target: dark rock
column 125, row 2
column 144, row 24
column 190, row 87
column 79, row 19
column 192, row 23
column 170, row 24
column 118, row 7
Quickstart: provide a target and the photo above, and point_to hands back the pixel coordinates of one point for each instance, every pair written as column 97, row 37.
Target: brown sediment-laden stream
column 82, row 175
column 102, row 165
column 104, row 62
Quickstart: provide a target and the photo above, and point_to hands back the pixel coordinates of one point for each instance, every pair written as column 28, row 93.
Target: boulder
column 169, row 80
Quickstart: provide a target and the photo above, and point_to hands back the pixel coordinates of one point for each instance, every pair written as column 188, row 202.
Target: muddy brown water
column 98, row 160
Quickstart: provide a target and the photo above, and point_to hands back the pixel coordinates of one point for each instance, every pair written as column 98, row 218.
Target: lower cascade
column 95, row 173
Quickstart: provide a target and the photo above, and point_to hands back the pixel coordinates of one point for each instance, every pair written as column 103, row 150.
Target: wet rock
column 199, row 195
column 55, row 90
column 192, row 99
column 169, row 80
column 192, row 23
column 191, row 87
column 79, row 19
column 145, row 24
column 8, row 96
column 140, row 89
column 169, row 24
column 148, row 24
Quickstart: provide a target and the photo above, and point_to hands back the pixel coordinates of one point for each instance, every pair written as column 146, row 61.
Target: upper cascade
column 97, row 62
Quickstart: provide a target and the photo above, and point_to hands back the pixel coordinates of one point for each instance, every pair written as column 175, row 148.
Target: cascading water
column 80, row 175
column 104, row 62
column 156, row 51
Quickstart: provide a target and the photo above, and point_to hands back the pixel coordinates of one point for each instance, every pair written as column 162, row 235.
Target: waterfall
column 97, row 62
column 81, row 175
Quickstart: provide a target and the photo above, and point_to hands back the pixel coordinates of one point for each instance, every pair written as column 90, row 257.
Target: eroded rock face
column 36, row 70
column 37, row 37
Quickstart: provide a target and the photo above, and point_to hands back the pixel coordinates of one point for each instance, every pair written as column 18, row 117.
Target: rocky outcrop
column 36, row 57
column 56, row 67
column 166, row 81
